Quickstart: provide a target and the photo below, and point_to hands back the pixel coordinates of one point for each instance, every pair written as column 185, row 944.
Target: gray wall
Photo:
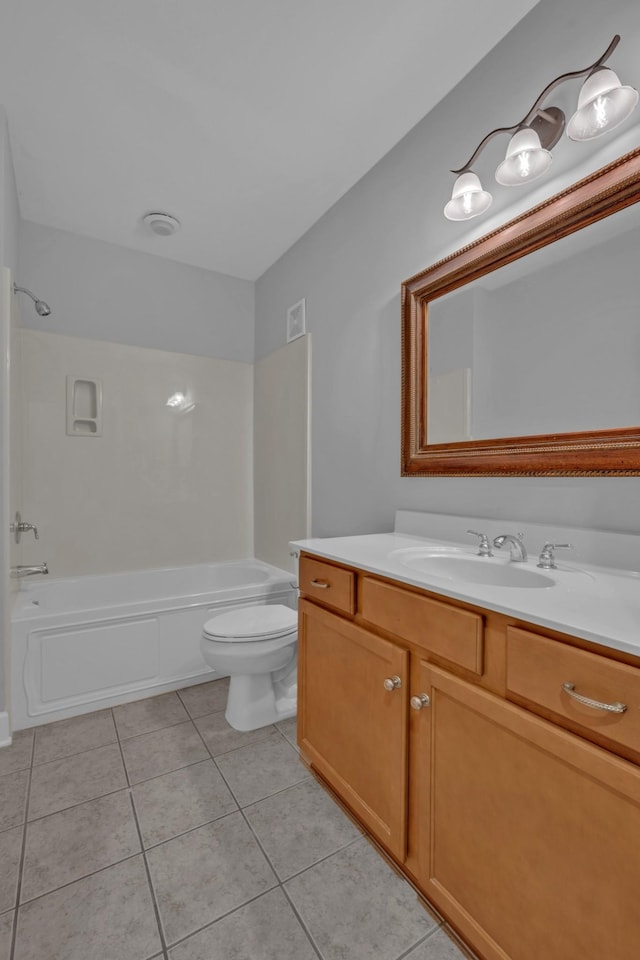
column 8, row 258
column 9, row 217
column 559, row 349
column 350, row 265
column 101, row 291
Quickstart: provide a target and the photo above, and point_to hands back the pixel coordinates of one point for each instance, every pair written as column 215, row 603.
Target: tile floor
column 155, row 830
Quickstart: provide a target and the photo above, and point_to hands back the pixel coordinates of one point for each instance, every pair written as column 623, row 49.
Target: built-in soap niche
column 84, row 407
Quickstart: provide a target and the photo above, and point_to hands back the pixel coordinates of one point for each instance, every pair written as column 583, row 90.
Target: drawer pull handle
column 422, row 700
column 570, row 688
column 320, row 584
column 392, row 683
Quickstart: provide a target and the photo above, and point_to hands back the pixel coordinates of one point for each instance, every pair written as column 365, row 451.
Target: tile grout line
column 143, row 851
column 14, row 932
column 72, row 806
column 134, row 812
column 418, row 943
column 223, row 916
column 79, row 753
column 85, row 876
column 302, row 923
column 281, row 886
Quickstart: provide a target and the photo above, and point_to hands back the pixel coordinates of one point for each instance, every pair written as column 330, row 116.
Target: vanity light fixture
column 468, row 198
column 603, row 104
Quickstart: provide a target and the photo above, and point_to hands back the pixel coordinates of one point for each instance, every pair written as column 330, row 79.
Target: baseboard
column 5, row 730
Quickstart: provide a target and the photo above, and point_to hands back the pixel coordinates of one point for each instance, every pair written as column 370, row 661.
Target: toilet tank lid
column 264, row 619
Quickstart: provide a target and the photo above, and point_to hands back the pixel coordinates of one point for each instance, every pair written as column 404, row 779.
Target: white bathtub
column 83, row 643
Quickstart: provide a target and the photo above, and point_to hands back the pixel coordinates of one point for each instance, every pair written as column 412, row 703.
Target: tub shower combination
column 88, row 642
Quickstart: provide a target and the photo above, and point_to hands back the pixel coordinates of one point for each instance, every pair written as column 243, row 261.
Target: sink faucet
column 22, row 571
column 516, row 545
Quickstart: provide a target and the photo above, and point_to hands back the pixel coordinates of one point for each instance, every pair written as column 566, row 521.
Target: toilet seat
column 263, row 621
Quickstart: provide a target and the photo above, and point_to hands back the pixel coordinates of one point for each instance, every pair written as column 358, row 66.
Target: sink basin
column 476, row 570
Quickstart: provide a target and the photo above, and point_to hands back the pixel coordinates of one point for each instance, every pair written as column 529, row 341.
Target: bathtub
column 83, row 643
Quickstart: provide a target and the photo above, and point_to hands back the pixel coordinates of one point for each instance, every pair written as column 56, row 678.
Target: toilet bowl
column 257, row 647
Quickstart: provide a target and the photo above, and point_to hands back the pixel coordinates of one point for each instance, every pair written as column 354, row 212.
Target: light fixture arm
column 536, row 108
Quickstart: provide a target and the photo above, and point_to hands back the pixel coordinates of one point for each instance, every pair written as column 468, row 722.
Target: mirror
column 521, row 352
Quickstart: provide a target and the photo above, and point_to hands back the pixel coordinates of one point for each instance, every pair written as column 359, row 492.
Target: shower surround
column 169, row 481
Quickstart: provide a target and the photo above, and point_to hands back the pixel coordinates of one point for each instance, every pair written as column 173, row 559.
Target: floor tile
column 220, row 737
column 261, row 769
column 6, row 928
column 204, row 874
column 18, row 755
column 109, row 916
column 76, row 842
column 180, row 801
column 299, row 827
column 144, row 716
column 266, row 929
column 66, row 737
column 13, row 798
column 10, row 854
column 356, row 906
column 162, row 751
column 289, row 729
column 439, row 946
column 204, row 698
column 63, row 783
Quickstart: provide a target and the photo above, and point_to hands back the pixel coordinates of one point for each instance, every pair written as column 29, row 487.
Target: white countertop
column 595, row 603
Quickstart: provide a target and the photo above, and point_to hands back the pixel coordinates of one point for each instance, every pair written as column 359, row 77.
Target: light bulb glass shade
column 526, row 159
column 603, row 104
column 468, row 199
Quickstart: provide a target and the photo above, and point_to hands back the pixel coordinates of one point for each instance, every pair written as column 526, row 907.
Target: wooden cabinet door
column 352, row 729
column 529, row 836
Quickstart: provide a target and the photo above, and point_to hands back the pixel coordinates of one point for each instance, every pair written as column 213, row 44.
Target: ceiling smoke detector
column 161, row 224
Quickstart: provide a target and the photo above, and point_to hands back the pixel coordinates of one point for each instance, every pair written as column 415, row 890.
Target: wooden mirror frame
column 614, row 452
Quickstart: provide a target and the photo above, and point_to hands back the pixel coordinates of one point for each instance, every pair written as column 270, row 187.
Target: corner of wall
column 281, row 452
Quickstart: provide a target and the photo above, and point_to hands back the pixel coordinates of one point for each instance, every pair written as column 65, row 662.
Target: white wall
column 100, row 291
column 280, row 440
column 350, row 266
column 160, row 487
column 8, row 259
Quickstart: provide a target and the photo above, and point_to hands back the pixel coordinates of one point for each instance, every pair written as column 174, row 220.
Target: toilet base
column 258, row 700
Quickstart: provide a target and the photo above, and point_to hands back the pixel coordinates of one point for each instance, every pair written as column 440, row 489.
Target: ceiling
column 244, row 119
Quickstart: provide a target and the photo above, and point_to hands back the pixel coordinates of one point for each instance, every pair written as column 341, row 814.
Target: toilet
column 257, row 647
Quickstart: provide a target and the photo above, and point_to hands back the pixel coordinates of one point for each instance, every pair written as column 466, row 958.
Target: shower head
column 42, row 309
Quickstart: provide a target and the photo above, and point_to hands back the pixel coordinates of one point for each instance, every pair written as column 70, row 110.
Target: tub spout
column 23, row 571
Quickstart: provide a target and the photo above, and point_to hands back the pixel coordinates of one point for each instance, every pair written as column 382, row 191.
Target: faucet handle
column 484, row 547
column 18, row 527
column 547, row 561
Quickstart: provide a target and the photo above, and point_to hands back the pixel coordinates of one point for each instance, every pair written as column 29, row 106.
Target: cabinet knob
column 422, row 700
column 320, row 584
column 392, row 683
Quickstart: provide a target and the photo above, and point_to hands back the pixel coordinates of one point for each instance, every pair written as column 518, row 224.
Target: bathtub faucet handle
column 18, row 527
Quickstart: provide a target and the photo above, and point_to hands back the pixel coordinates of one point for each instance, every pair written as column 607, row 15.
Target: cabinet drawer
column 537, row 668
column 446, row 631
column 325, row 583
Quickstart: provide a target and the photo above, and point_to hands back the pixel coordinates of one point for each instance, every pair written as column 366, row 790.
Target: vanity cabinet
column 486, row 783
column 352, row 722
column 529, row 838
